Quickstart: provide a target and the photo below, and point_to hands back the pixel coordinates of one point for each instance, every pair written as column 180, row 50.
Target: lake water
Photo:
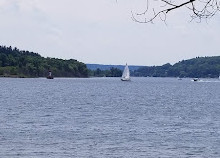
column 108, row 118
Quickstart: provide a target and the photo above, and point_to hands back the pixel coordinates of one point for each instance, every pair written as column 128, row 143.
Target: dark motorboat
column 195, row 79
column 50, row 76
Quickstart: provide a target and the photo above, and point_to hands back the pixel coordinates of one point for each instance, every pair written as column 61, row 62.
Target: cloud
column 26, row 26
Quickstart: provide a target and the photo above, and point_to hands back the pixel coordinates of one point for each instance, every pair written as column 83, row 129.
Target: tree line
column 19, row 63
column 197, row 67
column 112, row 72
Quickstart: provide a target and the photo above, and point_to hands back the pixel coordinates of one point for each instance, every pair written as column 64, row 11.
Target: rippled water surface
column 107, row 118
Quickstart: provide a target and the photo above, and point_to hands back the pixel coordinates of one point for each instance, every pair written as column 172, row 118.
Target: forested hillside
column 196, row 67
column 17, row 63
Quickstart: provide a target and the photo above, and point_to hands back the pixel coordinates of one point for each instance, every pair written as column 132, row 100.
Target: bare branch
column 199, row 9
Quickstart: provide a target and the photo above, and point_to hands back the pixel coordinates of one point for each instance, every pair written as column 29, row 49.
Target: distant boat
column 50, row 76
column 126, row 74
column 195, row 79
column 179, row 78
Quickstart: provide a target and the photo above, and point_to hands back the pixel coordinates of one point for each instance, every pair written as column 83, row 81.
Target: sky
column 103, row 32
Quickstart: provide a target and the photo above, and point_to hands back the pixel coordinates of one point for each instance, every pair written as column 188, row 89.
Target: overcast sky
column 102, row 32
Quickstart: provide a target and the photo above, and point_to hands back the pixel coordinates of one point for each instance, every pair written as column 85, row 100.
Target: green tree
column 33, row 65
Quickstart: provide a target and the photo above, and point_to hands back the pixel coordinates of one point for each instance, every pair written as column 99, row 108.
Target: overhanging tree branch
column 199, row 9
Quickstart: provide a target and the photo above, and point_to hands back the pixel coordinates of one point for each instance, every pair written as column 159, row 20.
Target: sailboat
column 126, row 74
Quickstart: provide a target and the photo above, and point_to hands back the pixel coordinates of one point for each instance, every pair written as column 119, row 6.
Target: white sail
column 126, row 74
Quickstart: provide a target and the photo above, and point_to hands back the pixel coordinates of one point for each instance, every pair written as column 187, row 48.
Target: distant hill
column 196, row 67
column 17, row 63
column 108, row 67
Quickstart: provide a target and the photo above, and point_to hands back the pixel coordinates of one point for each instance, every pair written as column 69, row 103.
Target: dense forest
column 112, row 72
column 197, row 67
column 17, row 63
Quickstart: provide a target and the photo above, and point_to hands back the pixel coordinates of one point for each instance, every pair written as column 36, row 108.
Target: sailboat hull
column 125, row 79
